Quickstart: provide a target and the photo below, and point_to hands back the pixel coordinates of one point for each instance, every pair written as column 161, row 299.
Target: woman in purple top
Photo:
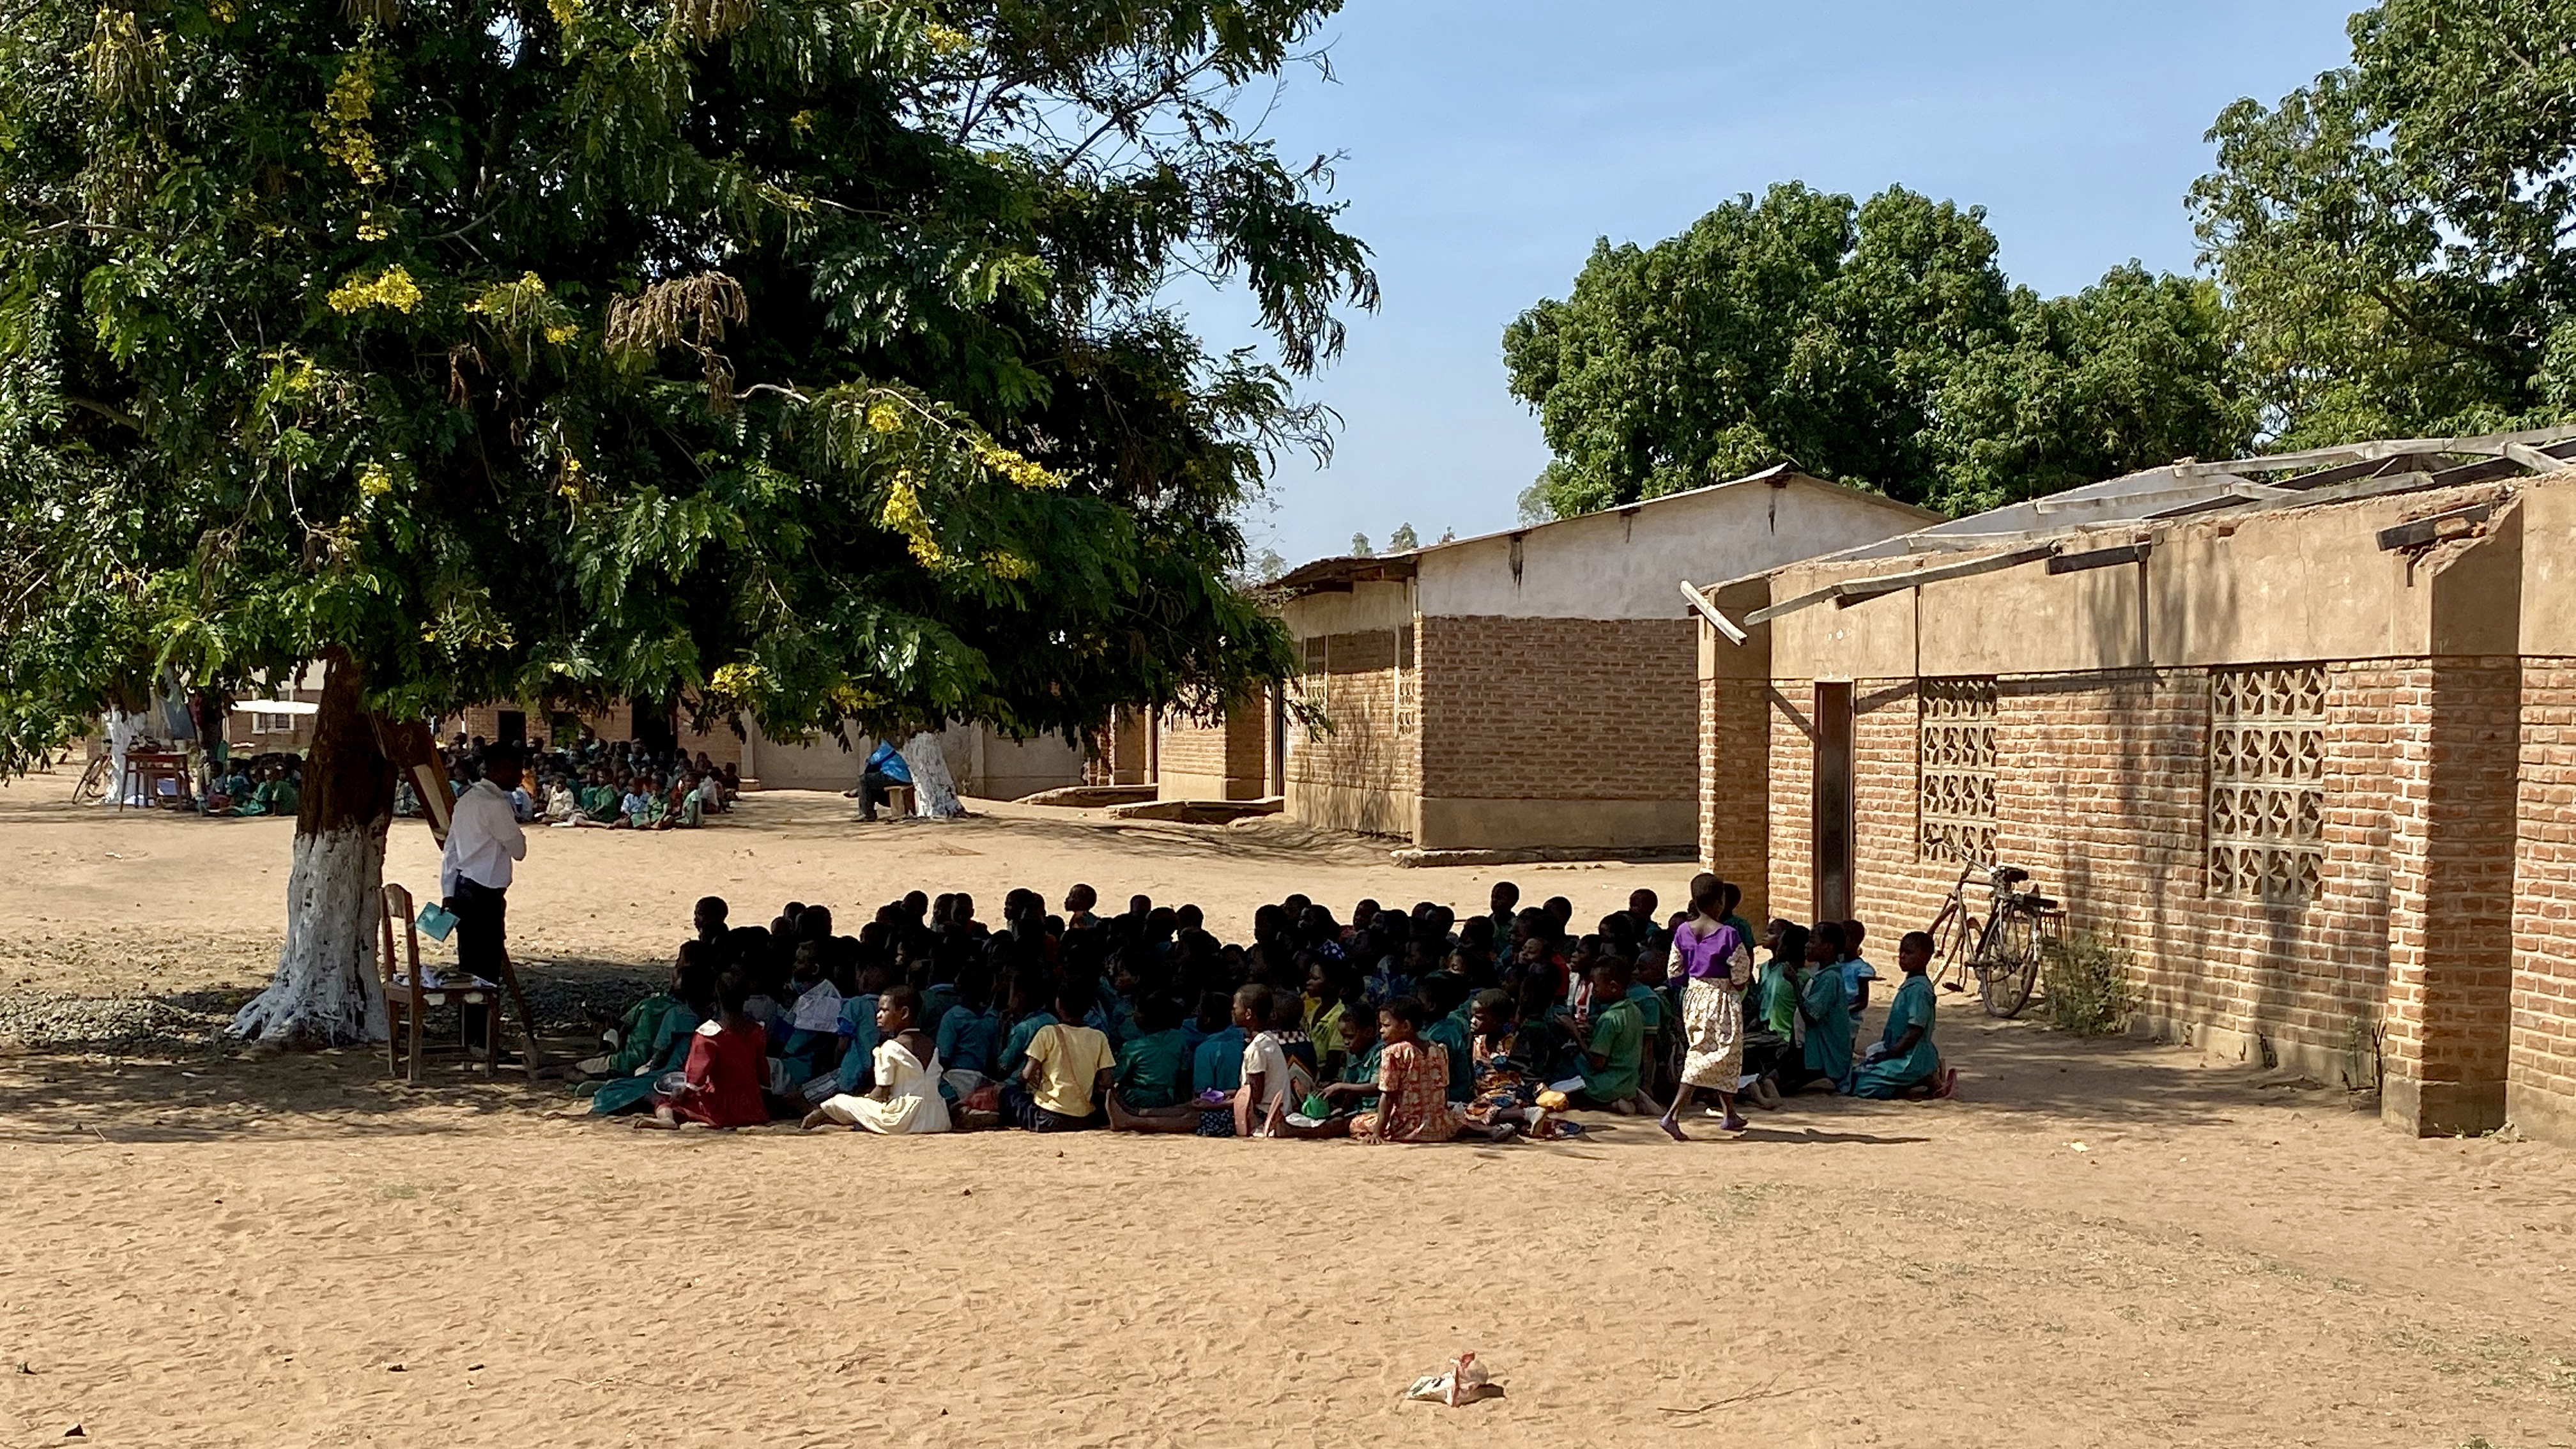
column 1717, row 966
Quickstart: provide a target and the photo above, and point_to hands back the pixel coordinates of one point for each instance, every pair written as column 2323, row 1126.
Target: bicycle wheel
column 93, row 783
column 2009, row 967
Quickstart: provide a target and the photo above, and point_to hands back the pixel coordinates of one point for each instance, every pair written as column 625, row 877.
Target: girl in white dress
column 906, row 1098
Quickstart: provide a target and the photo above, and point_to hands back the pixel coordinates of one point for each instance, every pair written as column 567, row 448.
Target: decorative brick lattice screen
column 2267, row 783
column 1957, row 762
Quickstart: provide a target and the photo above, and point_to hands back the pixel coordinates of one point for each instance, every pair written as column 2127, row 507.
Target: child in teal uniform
column 1029, row 1016
column 1446, row 995
column 1905, row 1063
column 970, row 1035
column 1150, row 1089
column 1217, row 1064
column 670, row 1053
column 1824, row 1013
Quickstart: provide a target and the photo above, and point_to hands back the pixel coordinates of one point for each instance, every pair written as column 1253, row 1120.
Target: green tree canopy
column 802, row 355
column 2395, row 237
column 1876, row 343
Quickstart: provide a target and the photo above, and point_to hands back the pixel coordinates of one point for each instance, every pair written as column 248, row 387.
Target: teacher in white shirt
column 483, row 842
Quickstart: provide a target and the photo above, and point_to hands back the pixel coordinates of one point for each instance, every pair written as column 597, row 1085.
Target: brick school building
column 2298, row 733
column 1527, row 689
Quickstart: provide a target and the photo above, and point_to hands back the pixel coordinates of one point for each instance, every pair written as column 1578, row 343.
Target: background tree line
column 2386, row 254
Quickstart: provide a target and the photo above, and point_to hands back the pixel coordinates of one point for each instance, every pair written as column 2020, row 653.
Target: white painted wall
column 1627, row 563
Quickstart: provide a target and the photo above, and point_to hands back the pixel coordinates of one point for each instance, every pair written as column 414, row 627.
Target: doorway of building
column 651, row 728
column 513, row 727
column 1833, row 801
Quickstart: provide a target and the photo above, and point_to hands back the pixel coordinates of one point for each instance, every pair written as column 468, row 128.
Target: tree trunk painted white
column 326, row 991
column 120, row 738
column 934, row 794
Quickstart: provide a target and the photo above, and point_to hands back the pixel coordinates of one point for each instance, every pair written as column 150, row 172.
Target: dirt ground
column 2100, row 1243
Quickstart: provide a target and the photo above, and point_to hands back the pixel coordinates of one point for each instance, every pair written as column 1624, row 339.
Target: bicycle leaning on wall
column 2002, row 951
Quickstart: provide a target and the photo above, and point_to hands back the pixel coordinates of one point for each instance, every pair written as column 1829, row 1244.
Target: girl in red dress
column 728, row 1064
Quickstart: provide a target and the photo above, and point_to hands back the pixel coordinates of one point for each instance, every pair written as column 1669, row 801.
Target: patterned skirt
column 1713, row 1028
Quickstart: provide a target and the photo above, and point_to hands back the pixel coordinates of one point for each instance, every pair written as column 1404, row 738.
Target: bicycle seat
column 2010, row 875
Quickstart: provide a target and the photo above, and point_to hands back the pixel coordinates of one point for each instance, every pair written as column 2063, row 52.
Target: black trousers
column 873, row 790
column 481, row 941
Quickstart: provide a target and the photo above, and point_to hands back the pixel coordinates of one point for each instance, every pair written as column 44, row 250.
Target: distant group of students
column 619, row 785
column 1393, row 1027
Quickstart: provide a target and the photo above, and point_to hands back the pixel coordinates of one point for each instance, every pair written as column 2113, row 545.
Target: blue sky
column 1490, row 141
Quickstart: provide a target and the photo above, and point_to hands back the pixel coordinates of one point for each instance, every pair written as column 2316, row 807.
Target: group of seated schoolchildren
column 619, row 785
column 1393, row 1027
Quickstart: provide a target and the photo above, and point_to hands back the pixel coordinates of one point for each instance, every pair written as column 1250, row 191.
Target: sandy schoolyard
column 2114, row 1244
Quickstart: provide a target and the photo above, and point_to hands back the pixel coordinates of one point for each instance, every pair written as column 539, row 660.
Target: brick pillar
column 1735, row 753
column 2450, row 908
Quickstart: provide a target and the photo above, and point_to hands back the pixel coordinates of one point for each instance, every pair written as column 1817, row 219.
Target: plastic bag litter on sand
column 1465, row 1382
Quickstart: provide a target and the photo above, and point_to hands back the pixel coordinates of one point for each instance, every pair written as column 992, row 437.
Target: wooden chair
column 408, row 997
column 899, row 800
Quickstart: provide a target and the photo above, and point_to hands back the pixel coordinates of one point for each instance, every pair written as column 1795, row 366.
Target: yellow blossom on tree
column 392, row 287
column 903, row 514
column 375, row 480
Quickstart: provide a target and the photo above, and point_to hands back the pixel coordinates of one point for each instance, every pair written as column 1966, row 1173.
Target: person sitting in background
column 1412, row 1081
column 695, row 984
column 1067, row 1075
column 1824, row 1015
column 728, row 1065
column 885, row 768
column 906, row 1069
column 641, row 808
column 1216, row 1064
column 1150, row 1089
column 970, row 1035
column 1904, row 1062
column 638, row 1038
column 1507, row 1082
column 1028, row 1001
column 711, row 795
column 1856, row 971
column 1612, row 1072
column 683, row 809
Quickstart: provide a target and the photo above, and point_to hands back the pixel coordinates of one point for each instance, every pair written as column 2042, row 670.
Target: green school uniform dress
column 1890, row 1075
column 1618, row 1036
column 1154, row 1070
column 1015, row 1047
column 1779, row 998
column 670, row 1054
column 1451, row 1034
column 1361, row 1070
column 1827, row 1013
column 639, row 1032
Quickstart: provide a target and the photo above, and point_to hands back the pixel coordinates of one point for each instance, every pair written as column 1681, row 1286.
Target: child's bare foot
column 814, row 1119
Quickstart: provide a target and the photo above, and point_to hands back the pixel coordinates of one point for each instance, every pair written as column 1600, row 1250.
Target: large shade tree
column 1877, row 343
column 2398, row 239
column 800, row 359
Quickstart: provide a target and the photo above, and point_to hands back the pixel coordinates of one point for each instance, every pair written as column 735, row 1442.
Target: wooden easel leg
column 527, row 1022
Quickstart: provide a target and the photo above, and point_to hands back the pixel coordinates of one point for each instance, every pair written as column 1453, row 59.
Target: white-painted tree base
column 934, row 791
column 121, row 730
column 326, row 992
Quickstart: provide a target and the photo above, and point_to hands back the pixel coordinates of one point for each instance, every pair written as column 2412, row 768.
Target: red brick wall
column 1232, row 747
column 2102, row 788
column 1559, row 709
column 1364, row 750
column 2541, row 1069
column 2451, row 881
column 1735, row 791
